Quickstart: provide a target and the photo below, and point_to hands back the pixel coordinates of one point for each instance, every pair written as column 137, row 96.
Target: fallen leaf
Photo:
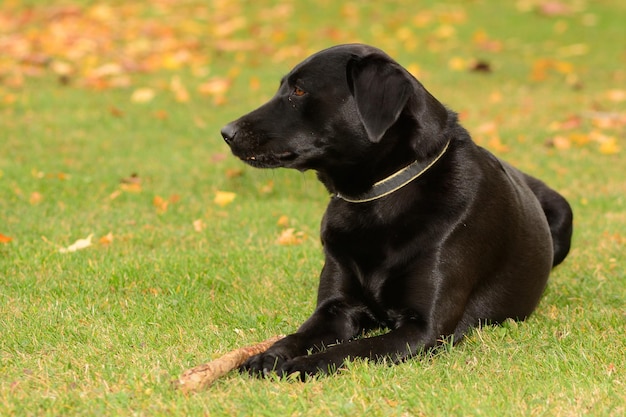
column 616, row 96
column 215, row 86
column 458, row 64
column 554, row 8
column 218, row 157
column 579, row 139
column 414, row 69
column 35, row 198
column 234, row 172
column 106, row 239
column 495, row 97
column 224, row 198
column 130, row 184
column 283, row 221
column 290, row 237
column 481, row 66
column 255, row 83
column 180, row 91
column 573, row 121
column 78, row 245
column 560, row 142
column 131, row 188
column 142, row 95
column 497, row 146
column 61, row 68
column 267, row 188
column 160, row 203
column 199, row 225
column 116, row 112
column 115, row 194
column 609, row 146
column 161, row 114
column 5, row 239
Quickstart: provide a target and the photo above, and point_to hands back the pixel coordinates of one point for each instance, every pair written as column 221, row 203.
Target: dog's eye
column 298, row 92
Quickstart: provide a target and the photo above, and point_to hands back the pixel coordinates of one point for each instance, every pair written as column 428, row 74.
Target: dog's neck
column 395, row 181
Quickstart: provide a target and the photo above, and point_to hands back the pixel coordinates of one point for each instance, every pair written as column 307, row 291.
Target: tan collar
column 395, row 181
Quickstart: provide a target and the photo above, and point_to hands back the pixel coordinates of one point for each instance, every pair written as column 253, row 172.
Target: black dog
column 426, row 233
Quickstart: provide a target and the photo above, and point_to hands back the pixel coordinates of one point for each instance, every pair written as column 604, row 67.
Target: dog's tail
column 559, row 215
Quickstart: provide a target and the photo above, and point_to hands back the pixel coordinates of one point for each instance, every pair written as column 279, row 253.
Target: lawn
column 134, row 246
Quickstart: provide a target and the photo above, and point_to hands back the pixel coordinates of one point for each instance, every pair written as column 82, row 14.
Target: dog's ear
column 380, row 89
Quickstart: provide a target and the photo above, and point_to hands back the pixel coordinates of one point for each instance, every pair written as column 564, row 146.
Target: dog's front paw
column 263, row 364
column 305, row 367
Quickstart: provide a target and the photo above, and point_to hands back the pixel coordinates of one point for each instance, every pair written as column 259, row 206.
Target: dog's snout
column 229, row 132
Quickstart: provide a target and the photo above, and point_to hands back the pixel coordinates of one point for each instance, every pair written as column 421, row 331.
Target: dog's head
column 345, row 106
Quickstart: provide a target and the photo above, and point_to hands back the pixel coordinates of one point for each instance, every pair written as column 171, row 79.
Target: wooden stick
column 202, row 376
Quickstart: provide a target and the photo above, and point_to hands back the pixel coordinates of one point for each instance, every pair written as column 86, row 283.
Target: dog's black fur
column 470, row 241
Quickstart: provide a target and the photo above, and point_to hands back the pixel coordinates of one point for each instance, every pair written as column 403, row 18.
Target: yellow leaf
column 563, row 67
column 414, row 69
column 457, row 64
column 283, row 221
column 579, row 139
column 78, row 245
column 255, row 83
column 445, row 31
column 609, row 146
column 142, row 95
column 5, row 239
column 224, row 198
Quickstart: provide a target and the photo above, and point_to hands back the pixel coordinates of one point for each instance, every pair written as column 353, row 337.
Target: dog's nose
column 229, row 132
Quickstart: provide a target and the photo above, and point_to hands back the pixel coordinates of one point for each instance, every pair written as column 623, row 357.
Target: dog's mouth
column 269, row 160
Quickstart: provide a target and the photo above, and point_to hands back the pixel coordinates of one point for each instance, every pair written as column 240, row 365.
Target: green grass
column 103, row 331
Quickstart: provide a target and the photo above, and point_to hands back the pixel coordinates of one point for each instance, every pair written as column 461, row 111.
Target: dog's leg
column 408, row 340
column 333, row 322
